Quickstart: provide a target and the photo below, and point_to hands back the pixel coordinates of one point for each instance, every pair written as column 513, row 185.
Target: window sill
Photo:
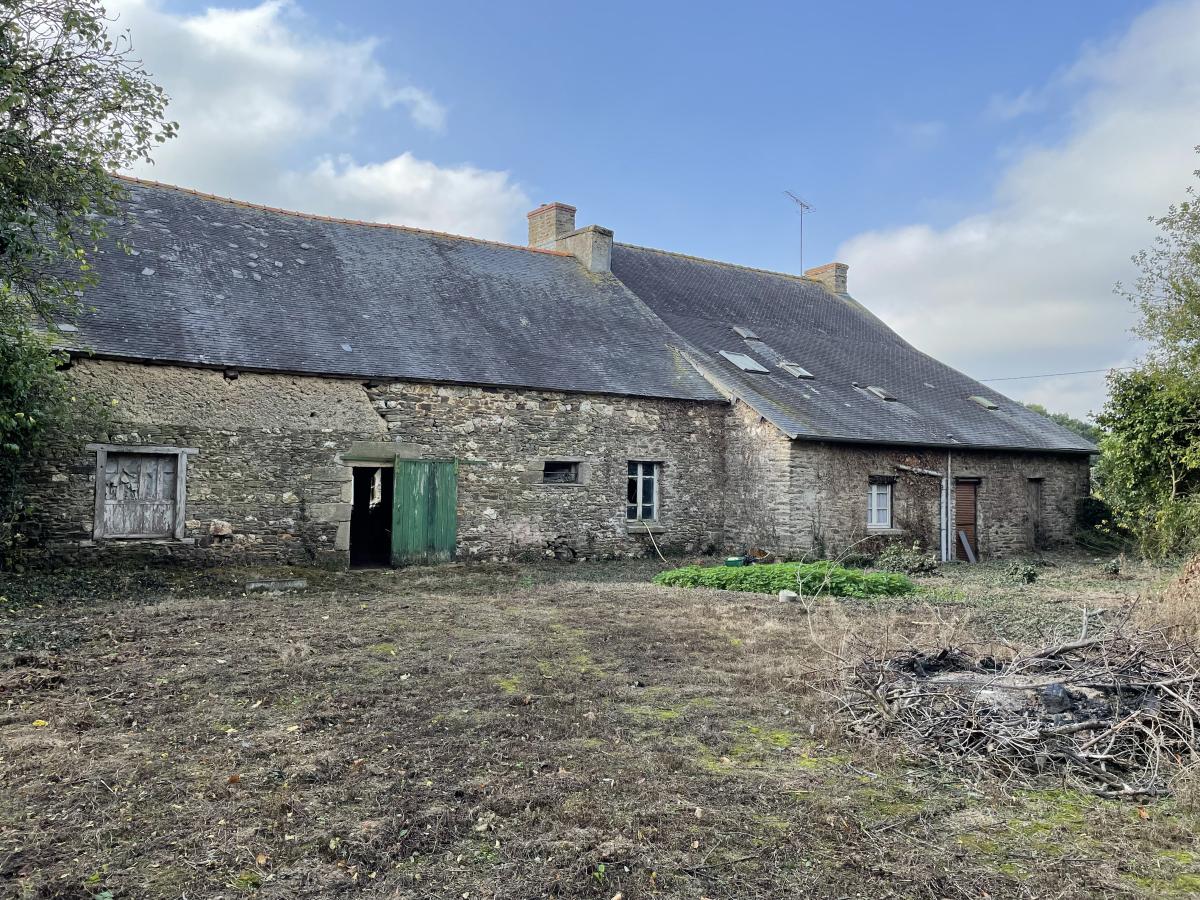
column 561, row 484
column 645, row 527
column 875, row 529
column 120, row 539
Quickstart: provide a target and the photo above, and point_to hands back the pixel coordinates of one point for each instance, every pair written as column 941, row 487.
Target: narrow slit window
column 641, row 501
column 560, row 472
column 879, row 505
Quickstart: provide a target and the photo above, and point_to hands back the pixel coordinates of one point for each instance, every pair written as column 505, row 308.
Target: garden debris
column 276, row 586
column 1116, row 714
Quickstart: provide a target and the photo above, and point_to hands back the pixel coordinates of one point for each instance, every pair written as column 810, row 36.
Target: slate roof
column 226, row 284
column 840, row 342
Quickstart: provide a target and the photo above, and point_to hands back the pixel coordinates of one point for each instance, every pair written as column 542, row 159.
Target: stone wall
column 758, row 506
column 501, row 437
column 829, row 484
column 271, row 480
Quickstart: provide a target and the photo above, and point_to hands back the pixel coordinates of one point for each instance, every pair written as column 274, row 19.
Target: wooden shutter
column 966, row 519
column 139, row 495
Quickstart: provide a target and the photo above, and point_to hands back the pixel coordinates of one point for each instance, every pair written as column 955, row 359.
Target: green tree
column 1167, row 293
column 1149, row 472
column 1085, row 430
column 74, row 106
column 1150, row 463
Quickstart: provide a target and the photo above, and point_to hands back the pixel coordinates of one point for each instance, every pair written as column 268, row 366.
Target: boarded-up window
column 140, row 493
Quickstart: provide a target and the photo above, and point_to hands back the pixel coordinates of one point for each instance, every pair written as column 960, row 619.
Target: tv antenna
column 804, row 208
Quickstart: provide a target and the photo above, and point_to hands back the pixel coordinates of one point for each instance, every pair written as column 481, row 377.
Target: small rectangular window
column 558, row 472
column 879, row 505
column 641, row 500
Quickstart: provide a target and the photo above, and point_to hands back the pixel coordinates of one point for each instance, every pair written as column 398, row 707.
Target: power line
column 1058, row 374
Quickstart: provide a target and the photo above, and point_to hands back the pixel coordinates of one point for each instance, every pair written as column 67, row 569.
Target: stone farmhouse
column 295, row 388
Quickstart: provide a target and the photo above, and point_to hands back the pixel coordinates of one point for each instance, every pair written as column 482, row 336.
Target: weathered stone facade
column 272, row 478
column 810, row 497
column 272, row 475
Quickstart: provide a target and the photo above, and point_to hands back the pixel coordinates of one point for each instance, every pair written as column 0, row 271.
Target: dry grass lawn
column 567, row 731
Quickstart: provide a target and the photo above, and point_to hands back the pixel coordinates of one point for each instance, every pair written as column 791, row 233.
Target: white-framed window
column 879, row 505
column 641, row 502
column 141, row 492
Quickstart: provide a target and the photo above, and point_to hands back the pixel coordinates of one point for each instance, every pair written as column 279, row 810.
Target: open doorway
column 371, row 517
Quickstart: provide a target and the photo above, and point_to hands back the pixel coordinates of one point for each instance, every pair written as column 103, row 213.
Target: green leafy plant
column 808, row 578
column 907, row 559
column 1025, row 573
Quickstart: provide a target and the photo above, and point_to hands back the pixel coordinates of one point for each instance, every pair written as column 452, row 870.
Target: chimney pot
column 832, row 275
column 548, row 223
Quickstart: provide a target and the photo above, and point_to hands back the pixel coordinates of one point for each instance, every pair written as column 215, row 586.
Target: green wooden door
column 424, row 511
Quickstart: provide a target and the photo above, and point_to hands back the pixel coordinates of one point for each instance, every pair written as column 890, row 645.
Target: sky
column 986, row 170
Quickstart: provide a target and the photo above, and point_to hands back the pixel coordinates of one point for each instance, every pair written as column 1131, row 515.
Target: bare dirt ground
column 546, row 731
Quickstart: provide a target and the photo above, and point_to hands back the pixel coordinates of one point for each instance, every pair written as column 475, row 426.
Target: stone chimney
column 552, row 227
column 548, row 223
column 832, row 275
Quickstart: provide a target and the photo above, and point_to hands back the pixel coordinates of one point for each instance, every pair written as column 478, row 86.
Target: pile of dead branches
column 1116, row 714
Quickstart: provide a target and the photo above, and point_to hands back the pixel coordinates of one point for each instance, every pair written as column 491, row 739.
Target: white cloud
column 263, row 100
column 460, row 199
column 1025, row 286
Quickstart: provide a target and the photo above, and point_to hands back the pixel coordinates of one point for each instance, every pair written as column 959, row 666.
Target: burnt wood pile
column 1116, row 714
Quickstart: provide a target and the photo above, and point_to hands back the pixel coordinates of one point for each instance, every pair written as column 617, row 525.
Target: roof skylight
column 744, row 362
column 880, row 393
column 984, row 402
column 745, row 332
column 796, row 371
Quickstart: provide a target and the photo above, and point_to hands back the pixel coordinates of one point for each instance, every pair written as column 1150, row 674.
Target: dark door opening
column 371, row 516
column 966, row 537
column 1034, row 531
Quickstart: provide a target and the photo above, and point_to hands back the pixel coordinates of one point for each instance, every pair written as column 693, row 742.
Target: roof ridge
column 718, row 262
column 317, row 217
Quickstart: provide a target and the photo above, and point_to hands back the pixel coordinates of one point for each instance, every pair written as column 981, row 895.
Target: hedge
column 807, row 578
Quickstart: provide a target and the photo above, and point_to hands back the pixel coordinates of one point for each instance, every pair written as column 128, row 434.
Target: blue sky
column 946, row 147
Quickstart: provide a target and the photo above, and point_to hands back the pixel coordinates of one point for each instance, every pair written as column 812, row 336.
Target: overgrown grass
column 808, row 578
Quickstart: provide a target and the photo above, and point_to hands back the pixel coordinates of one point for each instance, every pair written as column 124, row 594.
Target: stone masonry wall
column 271, row 481
column 829, row 490
column 502, row 436
column 758, row 504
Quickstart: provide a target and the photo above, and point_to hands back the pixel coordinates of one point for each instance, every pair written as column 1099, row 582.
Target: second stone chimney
column 552, row 227
column 832, row 275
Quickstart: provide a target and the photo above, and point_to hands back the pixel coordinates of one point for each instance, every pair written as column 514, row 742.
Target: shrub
column 907, row 560
column 1026, row 573
column 808, row 578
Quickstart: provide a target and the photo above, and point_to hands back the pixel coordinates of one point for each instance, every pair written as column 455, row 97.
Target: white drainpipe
column 948, row 536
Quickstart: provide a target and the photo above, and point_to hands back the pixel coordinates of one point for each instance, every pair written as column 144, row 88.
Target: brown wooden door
column 966, row 519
